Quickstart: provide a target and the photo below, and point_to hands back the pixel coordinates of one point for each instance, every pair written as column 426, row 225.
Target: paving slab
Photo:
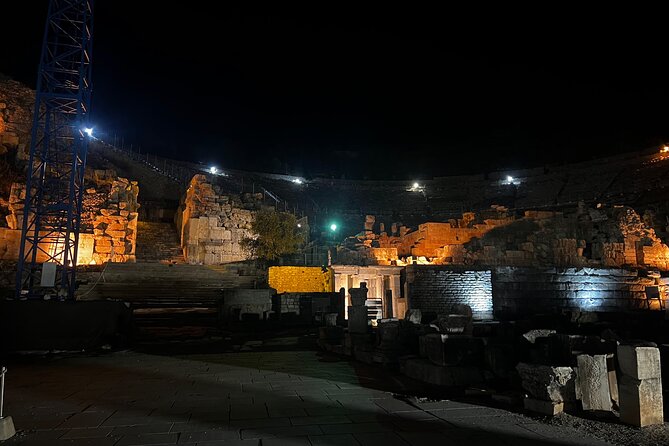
column 380, row 438
column 246, row 398
column 334, row 440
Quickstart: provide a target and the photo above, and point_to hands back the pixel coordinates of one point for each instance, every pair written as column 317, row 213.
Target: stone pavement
column 247, row 398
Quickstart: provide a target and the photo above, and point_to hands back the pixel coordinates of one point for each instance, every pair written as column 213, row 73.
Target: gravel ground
column 613, row 432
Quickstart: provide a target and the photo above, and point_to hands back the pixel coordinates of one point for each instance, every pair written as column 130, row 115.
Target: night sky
column 366, row 92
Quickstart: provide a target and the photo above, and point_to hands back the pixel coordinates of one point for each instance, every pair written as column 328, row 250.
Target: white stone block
column 192, row 230
column 641, row 401
column 593, row 382
column 7, row 430
column 639, row 362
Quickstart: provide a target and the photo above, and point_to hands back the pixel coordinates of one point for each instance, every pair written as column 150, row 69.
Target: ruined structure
column 16, row 105
column 109, row 220
column 612, row 237
column 212, row 224
column 382, row 282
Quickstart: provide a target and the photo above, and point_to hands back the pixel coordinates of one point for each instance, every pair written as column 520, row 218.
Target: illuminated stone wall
column 10, row 240
column 436, row 289
column 301, row 279
column 527, row 291
column 108, row 224
column 614, row 236
column 212, row 225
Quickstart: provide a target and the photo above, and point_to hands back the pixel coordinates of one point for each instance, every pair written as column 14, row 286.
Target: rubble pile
column 554, row 371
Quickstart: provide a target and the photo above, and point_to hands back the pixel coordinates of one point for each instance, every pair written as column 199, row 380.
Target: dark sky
column 373, row 92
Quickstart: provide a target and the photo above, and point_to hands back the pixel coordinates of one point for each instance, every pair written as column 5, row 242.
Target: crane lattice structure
column 58, row 146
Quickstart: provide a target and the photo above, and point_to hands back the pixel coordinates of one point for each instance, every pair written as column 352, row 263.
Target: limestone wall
column 108, row 223
column 436, row 289
column 212, row 225
column 524, row 291
column 10, row 241
column 301, row 279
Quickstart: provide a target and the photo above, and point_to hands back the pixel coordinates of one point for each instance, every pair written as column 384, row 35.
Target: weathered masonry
column 212, row 225
column 435, row 289
column 525, row 291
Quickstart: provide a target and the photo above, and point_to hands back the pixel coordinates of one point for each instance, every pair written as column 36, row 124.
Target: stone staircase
column 169, row 301
column 158, row 242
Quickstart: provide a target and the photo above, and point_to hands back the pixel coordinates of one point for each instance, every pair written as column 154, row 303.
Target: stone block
column 415, row 316
column 639, row 362
column 532, row 335
column 432, row 348
column 332, row 335
column 500, row 358
column 216, row 233
column 442, row 349
column 613, row 380
column 423, row 345
column 455, row 324
column 562, row 348
column 7, row 429
column 237, row 302
column 425, row 371
column 358, row 295
column 542, row 407
column 593, row 382
column 548, row 383
column 102, row 249
column 330, row 319
column 641, row 401
column 103, row 241
column 358, row 322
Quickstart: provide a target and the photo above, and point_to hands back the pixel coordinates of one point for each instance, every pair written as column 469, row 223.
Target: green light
column 333, row 227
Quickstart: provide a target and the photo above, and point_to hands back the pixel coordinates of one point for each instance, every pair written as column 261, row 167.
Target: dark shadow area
column 200, row 398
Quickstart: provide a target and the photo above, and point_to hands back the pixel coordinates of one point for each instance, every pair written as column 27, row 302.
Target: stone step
column 158, row 242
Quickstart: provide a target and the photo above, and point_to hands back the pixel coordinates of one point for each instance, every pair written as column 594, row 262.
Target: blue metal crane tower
column 58, row 146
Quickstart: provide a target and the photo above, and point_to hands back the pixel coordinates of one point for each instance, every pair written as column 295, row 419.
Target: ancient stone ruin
column 108, row 224
column 600, row 237
column 212, row 224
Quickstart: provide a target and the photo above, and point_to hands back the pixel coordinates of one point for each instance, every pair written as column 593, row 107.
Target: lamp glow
column 333, row 227
column 509, row 178
column 89, row 131
column 213, row 170
column 416, row 185
column 298, row 181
